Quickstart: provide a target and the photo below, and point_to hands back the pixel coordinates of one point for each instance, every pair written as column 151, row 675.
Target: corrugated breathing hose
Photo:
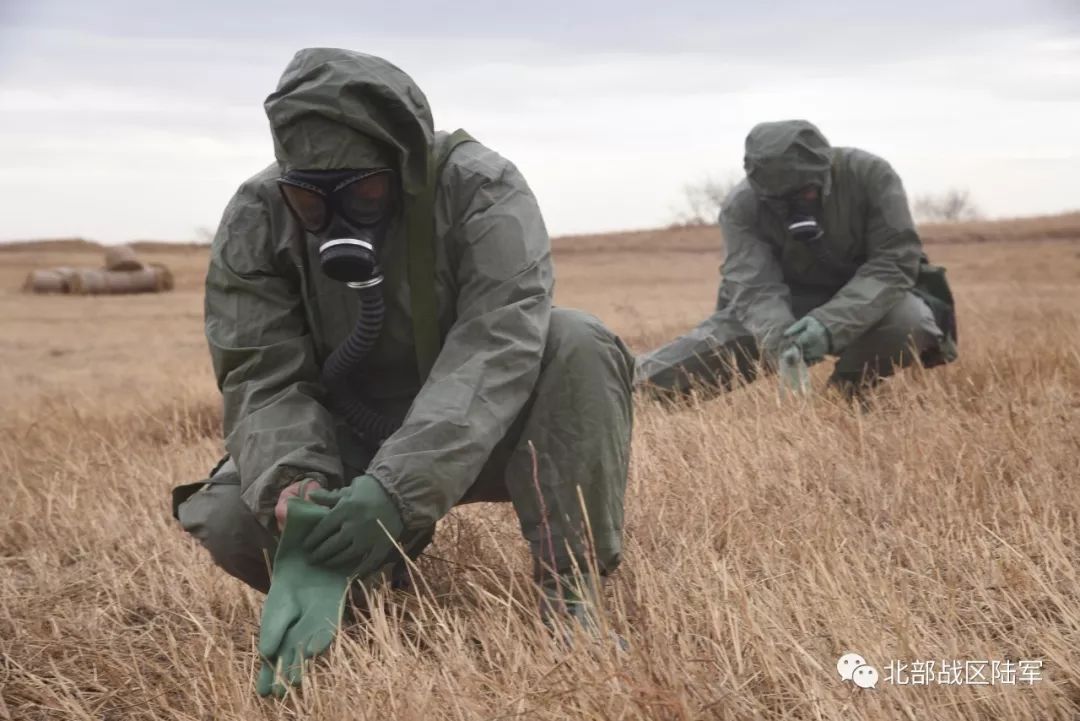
column 345, row 361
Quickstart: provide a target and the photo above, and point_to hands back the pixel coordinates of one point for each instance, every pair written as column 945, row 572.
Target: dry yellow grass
column 763, row 540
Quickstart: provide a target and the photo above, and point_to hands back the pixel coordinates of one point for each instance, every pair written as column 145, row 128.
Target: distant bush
column 204, row 235
column 952, row 206
column 702, row 201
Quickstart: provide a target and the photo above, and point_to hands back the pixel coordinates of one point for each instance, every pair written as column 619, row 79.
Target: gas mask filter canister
column 803, row 210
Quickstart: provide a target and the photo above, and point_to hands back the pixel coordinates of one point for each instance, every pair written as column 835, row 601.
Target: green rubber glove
column 302, row 612
column 794, row 376
column 565, row 596
column 571, row 598
column 357, row 535
column 811, row 337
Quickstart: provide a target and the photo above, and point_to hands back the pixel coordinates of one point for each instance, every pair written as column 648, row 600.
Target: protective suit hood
column 787, row 155
column 335, row 109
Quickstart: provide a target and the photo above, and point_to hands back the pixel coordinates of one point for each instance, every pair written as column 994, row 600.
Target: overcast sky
column 122, row 120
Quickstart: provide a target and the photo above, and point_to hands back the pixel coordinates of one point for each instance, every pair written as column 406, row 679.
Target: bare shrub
column 953, row 206
column 204, row 234
column 702, row 201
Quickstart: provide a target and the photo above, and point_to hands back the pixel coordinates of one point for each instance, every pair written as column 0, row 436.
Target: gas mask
column 349, row 211
column 800, row 210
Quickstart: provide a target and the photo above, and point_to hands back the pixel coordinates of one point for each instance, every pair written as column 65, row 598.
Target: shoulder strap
column 420, row 224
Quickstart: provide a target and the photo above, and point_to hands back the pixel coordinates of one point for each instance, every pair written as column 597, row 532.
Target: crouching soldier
column 821, row 258
column 379, row 314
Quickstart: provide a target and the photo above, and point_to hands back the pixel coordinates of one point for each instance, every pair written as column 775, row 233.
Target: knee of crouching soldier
column 577, row 339
column 237, row 542
column 908, row 328
column 213, row 516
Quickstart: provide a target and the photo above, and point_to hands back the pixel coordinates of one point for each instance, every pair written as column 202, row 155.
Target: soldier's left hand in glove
column 358, row 534
column 811, row 337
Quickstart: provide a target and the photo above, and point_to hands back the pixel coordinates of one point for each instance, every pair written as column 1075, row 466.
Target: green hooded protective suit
column 510, row 370
column 866, row 279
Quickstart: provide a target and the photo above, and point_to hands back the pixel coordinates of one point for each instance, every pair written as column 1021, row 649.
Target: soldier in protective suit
column 821, row 255
column 379, row 315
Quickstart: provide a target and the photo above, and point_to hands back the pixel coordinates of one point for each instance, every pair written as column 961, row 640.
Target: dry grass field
column 764, row 539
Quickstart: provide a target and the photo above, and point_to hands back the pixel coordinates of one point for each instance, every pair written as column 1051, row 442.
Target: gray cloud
column 608, row 109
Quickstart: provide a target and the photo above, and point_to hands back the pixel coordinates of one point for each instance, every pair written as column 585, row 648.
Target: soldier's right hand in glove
column 358, row 534
column 299, row 489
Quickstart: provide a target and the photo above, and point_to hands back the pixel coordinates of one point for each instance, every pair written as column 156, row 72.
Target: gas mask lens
column 366, row 200
column 307, row 204
column 806, row 201
column 361, row 198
